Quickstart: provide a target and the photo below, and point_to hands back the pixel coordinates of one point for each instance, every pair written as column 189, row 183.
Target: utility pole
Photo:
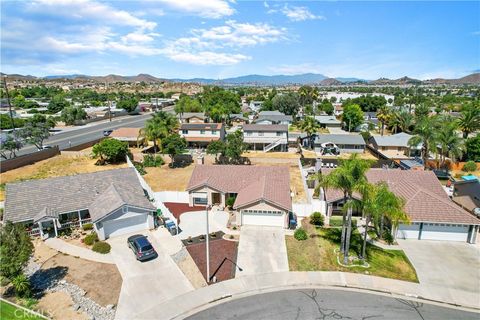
column 109, row 102
column 9, row 105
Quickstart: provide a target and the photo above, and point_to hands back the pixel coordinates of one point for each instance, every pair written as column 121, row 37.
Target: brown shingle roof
column 424, row 195
column 251, row 183
column 265, row 127
column 125, row 133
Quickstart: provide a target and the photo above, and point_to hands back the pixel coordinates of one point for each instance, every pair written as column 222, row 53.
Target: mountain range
column 260, row 80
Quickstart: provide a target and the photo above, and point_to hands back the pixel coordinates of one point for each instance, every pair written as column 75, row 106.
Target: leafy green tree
column 383, row 115
column 235, row 147
column 57, row 104
column 310, row 126
column 129, row 104
column 473, row 148
column 6, row 122
column 424, row 134
column 287, row 103
column 469, row 120
column 19, row 101
column 110, row 151
column 160, row 126
column 15, row 249
column 352, row 116
column 218, row 103
column 470, row 166
column 70, row 114
column 421, row 111
column 368, row 103
column 9, row 146
column 172, row 145
column 187, row 104
column 326, row 106
column 215, row 148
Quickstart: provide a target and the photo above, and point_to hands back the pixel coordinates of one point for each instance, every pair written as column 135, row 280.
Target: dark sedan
column 106, row 133
column 142, row 248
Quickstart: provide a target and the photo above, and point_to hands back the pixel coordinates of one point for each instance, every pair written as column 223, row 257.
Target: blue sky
column 218, row 39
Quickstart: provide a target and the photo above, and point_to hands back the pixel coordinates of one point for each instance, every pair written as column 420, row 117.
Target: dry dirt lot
column 61, row 165
column 58, row 306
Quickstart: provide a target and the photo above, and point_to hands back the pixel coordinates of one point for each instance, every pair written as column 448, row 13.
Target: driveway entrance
column 261, row 250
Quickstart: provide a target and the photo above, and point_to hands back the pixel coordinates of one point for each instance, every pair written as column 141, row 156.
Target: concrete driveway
column 194, row 224
column 145, row 284
column 261, row 250
column 447, row 269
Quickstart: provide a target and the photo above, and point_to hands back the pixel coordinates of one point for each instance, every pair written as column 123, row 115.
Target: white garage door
column 127, row 225
column 408, row 231
column 451, row 232
column 263, row 218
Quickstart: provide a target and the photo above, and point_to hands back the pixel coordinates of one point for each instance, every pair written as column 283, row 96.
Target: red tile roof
column 251, row 183
column 426, row 201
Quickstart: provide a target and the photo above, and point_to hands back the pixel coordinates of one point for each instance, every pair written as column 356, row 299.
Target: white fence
column 306, row 209
column 152, row 195
column 172, row 196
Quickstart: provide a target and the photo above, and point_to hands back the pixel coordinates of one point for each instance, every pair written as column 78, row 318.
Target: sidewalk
column 204, row 298
column 76, row 251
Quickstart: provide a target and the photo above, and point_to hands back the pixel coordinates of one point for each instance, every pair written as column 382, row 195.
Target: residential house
column 466, row 193
column 266, row 137
column 394, row 147
column 433, row 215
column 113, row 200
column 335, row 144
column 134, row 136
column 327, row 121
column 255, row 105
column 237, row 119
column 262, row 193
column 192, row 117
column 273, row 117
column 201, row 134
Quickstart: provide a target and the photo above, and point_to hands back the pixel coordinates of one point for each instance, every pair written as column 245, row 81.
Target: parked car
column 44, row 148
column 142, row 248
column 108, row 132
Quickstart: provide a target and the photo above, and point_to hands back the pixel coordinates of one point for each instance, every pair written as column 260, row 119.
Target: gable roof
column 71, row 193
column 126, row 133
column 273, row 116
column 188, row 115
column 424, row 195
column 395, row 140
column 354, row 139
column 467, row 194
column 327, row 119
column 265, row 127
column 251, row 183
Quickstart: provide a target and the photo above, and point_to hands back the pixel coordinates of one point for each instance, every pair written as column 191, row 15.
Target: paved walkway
column 76, row 251
column 204, row 298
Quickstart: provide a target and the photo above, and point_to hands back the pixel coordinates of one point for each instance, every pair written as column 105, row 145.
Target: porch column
column 55, row 227
column 79, row 218
column 40, row 228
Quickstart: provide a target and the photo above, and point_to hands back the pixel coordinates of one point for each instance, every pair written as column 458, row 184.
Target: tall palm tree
column 383, row 114
column 449, row 143
column 159, row 126
column 310, row 126
column 393, row 121
column 424, row 134
column 348, row 177
column 405, row 120
column 469, row 120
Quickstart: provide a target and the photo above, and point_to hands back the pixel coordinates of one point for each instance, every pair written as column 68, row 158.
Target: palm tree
column 309, row 125
column 424, row 134
column 469, row 120
column 393, row 121
column 383, row 114
column 405, row 120
column 450, row 144
column 348, row 177
column 159, row 126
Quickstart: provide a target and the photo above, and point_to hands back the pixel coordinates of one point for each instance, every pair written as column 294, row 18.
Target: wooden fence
column 27, row 159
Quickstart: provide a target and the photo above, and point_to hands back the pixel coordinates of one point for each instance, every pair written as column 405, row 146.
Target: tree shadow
column 46, row 278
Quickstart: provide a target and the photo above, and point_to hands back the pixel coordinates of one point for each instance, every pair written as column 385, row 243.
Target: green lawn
column 10, row 312
column 317, row 254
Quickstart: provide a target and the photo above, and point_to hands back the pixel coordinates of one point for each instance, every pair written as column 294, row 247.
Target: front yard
column 317, row 254
column 9, row 311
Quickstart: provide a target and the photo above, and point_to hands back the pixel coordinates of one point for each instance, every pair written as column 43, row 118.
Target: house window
column 184, row 131
column 260, row 134
column 201, row 201
column 214, row 132
column 249, row 133
column 279, row 134
column 202, row 131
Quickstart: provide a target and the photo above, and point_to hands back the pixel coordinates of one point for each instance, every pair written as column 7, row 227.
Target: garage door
column 123, row 226
column 408, row 231
column 451, row 232
column 263, row 218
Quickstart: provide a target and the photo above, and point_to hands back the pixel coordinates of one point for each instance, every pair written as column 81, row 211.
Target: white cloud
column 296, row 69
column 299, row 13
column 213, row 9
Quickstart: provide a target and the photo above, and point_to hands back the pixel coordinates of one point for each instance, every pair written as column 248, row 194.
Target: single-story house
column 339, row 143
column 266, row 137
column 237, row 119
column 133, row 136
column 394, row 146
column 192, row 117
column 262, row 193
column 113, row 200
column 273, row 117
column 433, row 215
column 201, row 134
column 466, row 193
column 327, row 121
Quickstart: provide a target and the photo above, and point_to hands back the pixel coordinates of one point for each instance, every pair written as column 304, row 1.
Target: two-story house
column 273, row 117
column 201, row 134
column 192, row 117
column 266, row 137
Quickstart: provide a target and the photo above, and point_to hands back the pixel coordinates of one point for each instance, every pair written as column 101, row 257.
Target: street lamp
column 208, row 207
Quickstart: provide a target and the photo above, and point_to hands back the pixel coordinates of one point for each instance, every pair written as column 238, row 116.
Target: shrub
column 338, row 222
column 87, row 226
column 140, row 167
column 470, row 166
column 101, row 247
column 21, row 284
column 300, row 234
column 90, row 239
column 110, row 151
column 387, row 236
column 153, row 161
column 317, row 219
column 230, row 202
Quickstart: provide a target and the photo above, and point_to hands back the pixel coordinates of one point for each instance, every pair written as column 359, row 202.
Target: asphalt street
column 329, row 304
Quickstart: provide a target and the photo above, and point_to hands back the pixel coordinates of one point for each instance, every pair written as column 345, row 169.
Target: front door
column 216, row 198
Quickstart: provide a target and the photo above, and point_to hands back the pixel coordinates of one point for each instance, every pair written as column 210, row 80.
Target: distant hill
column 256, row 79
column 108, row 78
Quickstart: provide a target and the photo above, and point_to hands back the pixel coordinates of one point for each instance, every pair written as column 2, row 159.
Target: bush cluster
column 87, row 226
column 300, row 234
column 470, row 166
column 150, row 160
column 387, row 236
column 230, row 202
column 317, row 219
column 101, row 247
column 90, row 239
